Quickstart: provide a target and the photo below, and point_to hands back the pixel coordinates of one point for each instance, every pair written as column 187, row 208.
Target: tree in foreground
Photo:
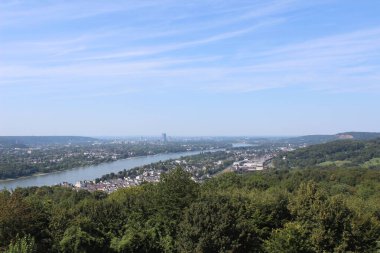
column 25, row 244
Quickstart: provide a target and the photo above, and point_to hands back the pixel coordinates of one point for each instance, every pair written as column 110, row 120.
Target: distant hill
column 23, row 141
column 318, row 139
column 310, row 139
column 340, row 153
column 360, row 135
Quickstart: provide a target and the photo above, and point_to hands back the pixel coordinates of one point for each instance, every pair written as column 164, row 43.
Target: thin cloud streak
column 63, row 11
column 325, row 63
column 177, row 46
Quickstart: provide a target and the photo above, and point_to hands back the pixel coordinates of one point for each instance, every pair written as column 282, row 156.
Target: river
column 90, row 172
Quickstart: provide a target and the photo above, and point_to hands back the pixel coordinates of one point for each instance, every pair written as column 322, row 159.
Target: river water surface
column 90, row 172
column 95, row 171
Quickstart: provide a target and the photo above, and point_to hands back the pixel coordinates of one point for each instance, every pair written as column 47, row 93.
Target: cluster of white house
column 112, row 185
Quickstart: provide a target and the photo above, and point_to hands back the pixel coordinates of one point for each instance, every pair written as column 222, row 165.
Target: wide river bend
column 90, row 172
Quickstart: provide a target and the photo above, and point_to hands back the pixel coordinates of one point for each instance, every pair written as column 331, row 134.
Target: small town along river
column 90, row 172
column 96, row 171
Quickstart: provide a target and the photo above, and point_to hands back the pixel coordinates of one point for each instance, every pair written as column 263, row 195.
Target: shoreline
column 33, row 175
column 96, row 164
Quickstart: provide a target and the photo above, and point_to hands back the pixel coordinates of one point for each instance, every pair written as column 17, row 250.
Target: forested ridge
column 318, row 139
column 342, row 153
column 310, row 210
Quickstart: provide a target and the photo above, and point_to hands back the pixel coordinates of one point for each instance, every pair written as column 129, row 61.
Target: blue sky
column 210, row 67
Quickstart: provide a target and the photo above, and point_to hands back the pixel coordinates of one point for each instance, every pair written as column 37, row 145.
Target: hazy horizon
column 199, row 68
column 159, row 136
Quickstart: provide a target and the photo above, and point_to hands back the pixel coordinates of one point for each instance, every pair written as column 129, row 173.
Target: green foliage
column 292, row 238
column 306, row 210
column 81, row 238
column 25, row 244
column 334, row 163
column 347, row 153
column 373, row 163
column 20, row 216
column 175, row 192
column 218, row 224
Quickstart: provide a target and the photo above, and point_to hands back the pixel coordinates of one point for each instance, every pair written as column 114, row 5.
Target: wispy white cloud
column 153, row 50
column 181, row 54
column 28, row 13
column 122, row 42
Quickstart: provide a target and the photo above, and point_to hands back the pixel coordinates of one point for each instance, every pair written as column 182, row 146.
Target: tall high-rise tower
column 164, row 139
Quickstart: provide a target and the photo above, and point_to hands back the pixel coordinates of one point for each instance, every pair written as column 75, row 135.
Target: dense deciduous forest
column 347, row 153
column 324, row 210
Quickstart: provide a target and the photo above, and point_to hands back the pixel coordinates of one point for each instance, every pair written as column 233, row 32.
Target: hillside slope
column 318, row 139
column 347, row 153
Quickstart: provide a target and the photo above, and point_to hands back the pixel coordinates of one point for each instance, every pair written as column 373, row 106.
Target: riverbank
column 33, row 175
column 91, row 172
column 93, row 164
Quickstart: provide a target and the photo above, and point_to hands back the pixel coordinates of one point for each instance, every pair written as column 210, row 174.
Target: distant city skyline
column 195, row 68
